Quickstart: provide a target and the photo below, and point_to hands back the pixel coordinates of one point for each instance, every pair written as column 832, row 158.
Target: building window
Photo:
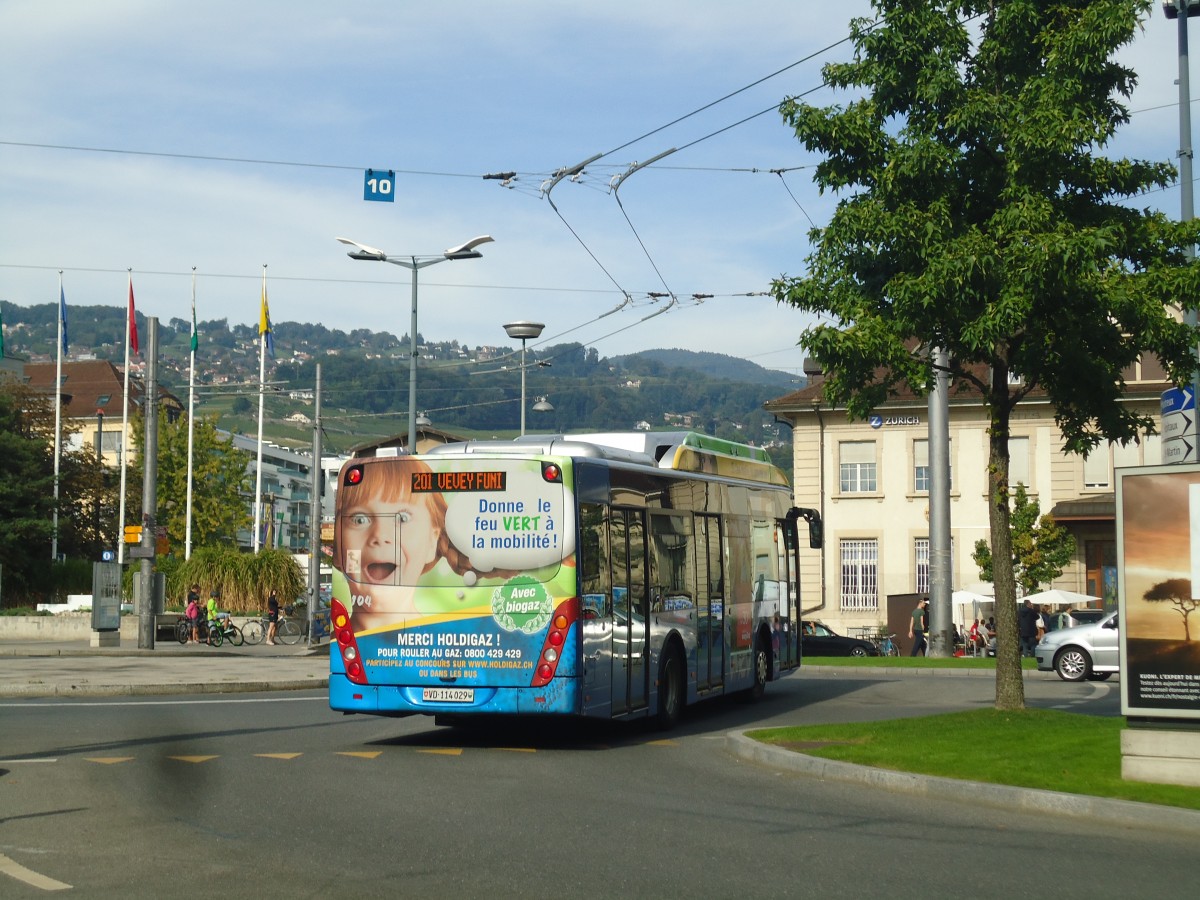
column 921, row 563
column 921, row 471
column 110, row 442
column 1018, row 461
column 860, row 575
column 857, row 465
column 1096, row 471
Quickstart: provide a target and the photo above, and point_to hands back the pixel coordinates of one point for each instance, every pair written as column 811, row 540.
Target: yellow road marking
column 444, row 751
column 278, row 755
column 192, row 759
column 108, row 760
column 518, row 749
column 665, row 742
column 361, row 754
column 30, row 877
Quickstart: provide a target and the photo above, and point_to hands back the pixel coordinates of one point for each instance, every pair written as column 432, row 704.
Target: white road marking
column 30, row 877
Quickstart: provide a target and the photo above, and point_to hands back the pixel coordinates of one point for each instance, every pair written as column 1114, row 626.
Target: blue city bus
column 612, row 576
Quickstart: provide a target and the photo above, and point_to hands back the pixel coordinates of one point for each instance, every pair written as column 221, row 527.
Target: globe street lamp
column 413, row 263
column 524, row 331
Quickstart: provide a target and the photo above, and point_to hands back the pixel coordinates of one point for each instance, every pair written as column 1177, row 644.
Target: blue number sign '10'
column 380, row 185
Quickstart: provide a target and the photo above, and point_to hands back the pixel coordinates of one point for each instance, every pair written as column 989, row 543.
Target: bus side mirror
column 816, row 528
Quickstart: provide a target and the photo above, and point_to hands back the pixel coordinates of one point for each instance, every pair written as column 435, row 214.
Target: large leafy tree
column 977, row 215
column 220, row 483
column 26, row 484
column 1041, row 547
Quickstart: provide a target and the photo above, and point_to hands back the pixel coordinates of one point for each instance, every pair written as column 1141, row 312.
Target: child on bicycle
column 214, row 618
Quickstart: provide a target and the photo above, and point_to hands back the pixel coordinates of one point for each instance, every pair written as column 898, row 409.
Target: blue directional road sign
column 1177, row 399
column 380, row 184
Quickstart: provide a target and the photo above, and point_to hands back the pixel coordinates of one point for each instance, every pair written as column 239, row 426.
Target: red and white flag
column 133, row 335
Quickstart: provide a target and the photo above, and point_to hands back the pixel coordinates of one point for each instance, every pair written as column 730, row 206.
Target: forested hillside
column 475, row 391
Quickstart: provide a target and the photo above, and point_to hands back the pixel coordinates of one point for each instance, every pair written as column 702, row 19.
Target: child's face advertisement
column 409, row 550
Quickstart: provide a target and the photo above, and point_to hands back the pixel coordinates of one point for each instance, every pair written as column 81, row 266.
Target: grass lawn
column 1033, row 748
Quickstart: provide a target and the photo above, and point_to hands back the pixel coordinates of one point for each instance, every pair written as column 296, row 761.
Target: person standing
column 917, row 628
column 1028, row 622
column 193, row 612
column 272, row 617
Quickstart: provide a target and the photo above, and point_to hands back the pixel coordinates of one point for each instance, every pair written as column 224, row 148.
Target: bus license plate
column 448, row 695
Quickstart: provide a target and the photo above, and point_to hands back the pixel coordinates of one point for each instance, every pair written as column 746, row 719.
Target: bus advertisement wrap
column 451, row 578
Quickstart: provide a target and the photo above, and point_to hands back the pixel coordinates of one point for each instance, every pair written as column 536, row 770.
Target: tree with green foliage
column 976, row 215
column 26, row 486
column 1041, row 547
column 220, row 483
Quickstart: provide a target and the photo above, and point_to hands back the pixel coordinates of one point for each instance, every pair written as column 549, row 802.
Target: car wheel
column 858, row 651
column 1072, row 664
column 1099, row 676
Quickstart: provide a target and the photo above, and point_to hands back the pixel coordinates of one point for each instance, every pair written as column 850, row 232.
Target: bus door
column 788, row 631
column 630, row 615
column 710, row 604
column 595, row 585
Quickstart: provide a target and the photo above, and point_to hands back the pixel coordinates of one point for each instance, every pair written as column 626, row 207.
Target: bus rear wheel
column 762, row 666
column 670, row 690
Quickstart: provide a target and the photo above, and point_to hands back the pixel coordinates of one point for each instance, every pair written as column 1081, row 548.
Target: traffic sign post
column 133, row 534
column 1179, row 425
column 380, row 185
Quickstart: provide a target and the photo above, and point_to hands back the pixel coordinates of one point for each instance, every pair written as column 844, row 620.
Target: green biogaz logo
column 522, row 604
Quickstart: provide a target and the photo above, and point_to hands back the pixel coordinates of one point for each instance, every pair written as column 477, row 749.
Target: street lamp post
column 524, row 331
column 413, row 263
column 1182, row 10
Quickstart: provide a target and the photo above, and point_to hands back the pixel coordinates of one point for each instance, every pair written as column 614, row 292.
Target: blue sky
column 444, row 94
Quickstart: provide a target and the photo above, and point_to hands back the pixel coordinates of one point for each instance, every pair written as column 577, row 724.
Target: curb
column 1076, row 806
column 13, row 691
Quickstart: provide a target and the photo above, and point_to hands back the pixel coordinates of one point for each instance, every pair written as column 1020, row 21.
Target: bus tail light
column 347, row 645
column 564, row 617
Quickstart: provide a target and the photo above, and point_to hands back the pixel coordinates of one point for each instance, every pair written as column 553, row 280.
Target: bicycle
column 214, row 637
column 287, row 630
column 888, row 646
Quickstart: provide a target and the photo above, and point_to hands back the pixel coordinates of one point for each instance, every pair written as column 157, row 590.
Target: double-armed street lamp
column 524, row 331
column 413, row 263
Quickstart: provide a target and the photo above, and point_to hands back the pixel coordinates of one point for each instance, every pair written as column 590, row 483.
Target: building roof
column 93, row 385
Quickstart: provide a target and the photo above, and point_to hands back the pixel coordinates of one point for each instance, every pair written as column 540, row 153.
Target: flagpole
column 262, row 375
column 187, row 540
column 124, row 435
column 62, row 305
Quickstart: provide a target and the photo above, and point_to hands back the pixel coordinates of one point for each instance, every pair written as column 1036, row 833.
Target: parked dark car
column 817, row 639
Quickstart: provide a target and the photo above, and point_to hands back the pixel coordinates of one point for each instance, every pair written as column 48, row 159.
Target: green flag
column 195, row 335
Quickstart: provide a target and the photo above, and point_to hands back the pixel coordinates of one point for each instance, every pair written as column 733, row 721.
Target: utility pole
column 149, row 490
column 941, row 619
column 314, row 515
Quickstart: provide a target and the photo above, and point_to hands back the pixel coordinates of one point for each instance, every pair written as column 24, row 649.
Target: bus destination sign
column 447, row 482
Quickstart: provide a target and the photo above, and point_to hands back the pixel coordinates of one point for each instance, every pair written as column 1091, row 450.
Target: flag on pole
column 264, row 321
column 133, row 335
column 62, row 315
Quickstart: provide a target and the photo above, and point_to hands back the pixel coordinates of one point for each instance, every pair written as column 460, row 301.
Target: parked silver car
column 1085, row 651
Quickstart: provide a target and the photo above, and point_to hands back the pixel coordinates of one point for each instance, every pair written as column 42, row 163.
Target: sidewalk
column 74, row 668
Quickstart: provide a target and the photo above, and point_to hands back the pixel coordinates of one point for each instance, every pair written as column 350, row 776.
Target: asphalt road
column 275, row 795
